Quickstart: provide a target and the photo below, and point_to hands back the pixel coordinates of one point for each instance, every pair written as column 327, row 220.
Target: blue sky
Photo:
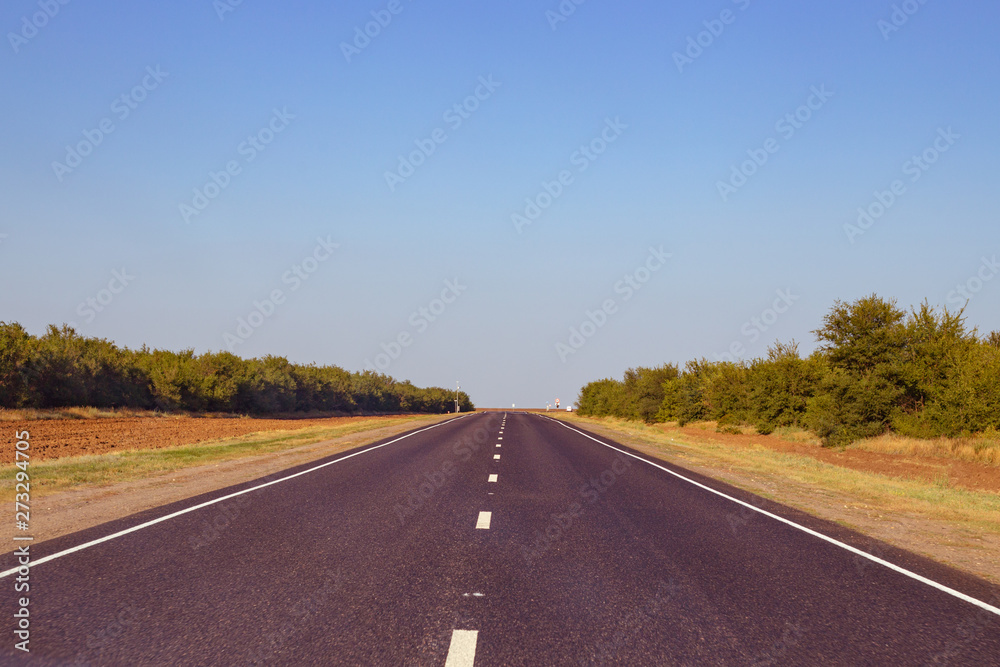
column 206, row 88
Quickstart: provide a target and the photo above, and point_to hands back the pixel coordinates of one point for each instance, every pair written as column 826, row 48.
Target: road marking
column 492, row 478
column 87, row 545
column 864, row 554
column 462, row 652
column 499, row 437
column 496, row 457
column 484, row 520
column 498, row 444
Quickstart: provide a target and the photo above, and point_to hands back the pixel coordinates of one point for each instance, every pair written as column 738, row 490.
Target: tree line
column 877, row 369
column 62, row 369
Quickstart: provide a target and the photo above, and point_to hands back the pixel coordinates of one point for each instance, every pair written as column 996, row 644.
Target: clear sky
column 264, row 149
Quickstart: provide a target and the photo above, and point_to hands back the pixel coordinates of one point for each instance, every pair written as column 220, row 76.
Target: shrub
column 62, row 368
column 878, row 368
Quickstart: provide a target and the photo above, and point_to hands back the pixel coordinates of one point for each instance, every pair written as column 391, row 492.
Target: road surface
column 492, row 539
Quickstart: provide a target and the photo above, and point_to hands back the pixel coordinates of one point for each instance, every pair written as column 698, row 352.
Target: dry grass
column 32, row 414
column 789, row 433
column 799, row 435
column 984, row 448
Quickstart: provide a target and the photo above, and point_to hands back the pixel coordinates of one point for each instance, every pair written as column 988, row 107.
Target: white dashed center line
column 462, row 652
column 493, row 478
column 496, row 457
column 483, row 521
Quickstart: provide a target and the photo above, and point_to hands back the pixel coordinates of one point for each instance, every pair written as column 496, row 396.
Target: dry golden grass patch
column 984, row 448
column 33, row 414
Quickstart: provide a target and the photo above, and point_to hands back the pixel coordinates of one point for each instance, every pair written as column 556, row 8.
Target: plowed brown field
column 56, row 438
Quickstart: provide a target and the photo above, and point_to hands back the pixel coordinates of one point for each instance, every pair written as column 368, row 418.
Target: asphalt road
column 407, row 554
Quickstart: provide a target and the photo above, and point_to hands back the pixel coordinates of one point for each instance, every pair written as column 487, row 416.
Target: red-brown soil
column 55, row 438
column 969, row 475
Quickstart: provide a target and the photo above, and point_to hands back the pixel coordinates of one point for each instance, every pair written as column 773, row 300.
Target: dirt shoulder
column 65, row 512
column 946, row 510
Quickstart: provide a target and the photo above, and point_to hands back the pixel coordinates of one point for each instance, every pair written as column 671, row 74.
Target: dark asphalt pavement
column 592, row 556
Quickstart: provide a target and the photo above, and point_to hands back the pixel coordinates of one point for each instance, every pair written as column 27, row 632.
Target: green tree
column 781, row 386
column 16, row 350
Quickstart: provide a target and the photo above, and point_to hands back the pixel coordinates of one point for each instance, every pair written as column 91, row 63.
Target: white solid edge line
column 462, row 651
column 864, row 554
column 483, row 521
column 86, row 545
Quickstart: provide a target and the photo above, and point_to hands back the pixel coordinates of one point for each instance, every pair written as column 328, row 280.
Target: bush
column 62, row 369
column 878, row 368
